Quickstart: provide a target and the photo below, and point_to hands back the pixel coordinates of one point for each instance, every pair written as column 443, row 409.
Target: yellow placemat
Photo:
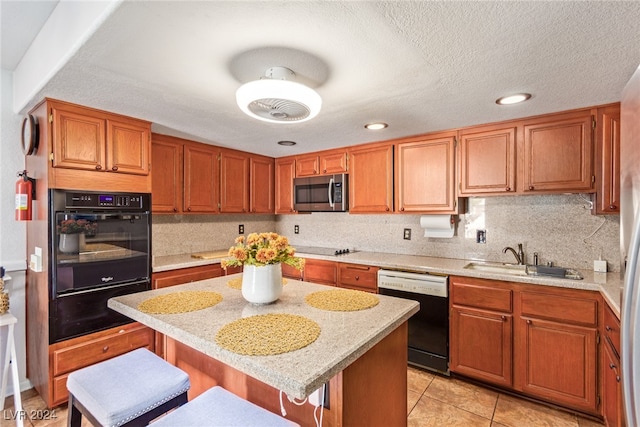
column 268, row 334
column 180, row 302
column 342, row 300
column 236, row 283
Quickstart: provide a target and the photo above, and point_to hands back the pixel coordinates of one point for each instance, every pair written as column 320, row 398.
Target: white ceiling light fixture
column 376, row 126
column 277, row 98
column 513, row 99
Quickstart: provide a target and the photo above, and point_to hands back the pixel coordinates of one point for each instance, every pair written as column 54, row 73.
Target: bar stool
column 9, row 320
column 128, row 390
column 218, row 407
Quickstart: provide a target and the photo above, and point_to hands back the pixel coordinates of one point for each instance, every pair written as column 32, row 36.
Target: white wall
column 13, row 234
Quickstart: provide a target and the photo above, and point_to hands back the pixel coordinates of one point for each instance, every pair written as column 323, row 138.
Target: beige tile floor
column 433, row 400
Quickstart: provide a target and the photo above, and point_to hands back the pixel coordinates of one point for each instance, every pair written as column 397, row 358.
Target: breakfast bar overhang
column 361, row 355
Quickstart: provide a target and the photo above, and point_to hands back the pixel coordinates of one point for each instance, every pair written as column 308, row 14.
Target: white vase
column 262, row 284
column 69, row 243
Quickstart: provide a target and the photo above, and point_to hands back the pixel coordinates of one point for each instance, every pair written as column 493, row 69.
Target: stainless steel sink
column 497, row 267
column 523, row 270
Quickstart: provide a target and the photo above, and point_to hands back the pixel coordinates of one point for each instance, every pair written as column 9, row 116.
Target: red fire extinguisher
column 24, row 197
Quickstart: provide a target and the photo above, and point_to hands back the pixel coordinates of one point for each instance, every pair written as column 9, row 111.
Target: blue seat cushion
column 120, row 389
column 218, row 407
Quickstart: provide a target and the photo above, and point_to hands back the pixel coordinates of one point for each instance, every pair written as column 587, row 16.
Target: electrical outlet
column 314, row 398
column 241, row 229
column 296, row 229
column 407, row 234
column 481, row 236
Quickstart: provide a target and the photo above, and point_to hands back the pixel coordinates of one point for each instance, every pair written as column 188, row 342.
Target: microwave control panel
column 337, row 192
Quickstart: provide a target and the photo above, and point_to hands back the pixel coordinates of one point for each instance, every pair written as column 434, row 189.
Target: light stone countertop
column 344, row 336
column 609, row 284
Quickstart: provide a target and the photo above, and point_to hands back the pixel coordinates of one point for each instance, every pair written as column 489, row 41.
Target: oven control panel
column 120, row 201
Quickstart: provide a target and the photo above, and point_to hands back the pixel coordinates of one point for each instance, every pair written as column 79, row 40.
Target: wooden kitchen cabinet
column 358, row 277
column 165, row 279
column 70, row 355
column 320, row 271
column 558, row 334
column 558, row 153
column 201, row 178
column 291, row 272
column 371, row 178
column 234, row 181
column 166, row 158
column 262, row 185
column 613, row 409
column 89, row 139
column 284, row 175
column 541, row 341
column 322, row 163
column 487, row 160
column 607, row 196
column 425, row 174
column 481, row 330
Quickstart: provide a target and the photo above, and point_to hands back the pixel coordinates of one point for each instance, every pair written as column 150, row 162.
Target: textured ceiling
column 419, row 66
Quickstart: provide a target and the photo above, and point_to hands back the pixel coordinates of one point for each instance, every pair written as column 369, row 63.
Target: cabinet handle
column 98, row 167
column 402, row 209
column 529, row 322
column 613, row 207
column 121, row 331
column 607, row 328
column 189, row 208
column 105, row 348
column 114, row 168
column 357, row 277
column 508, row 189
column 175, row 209
column 617, row 378
column 531, row 187
column 612, row 366
column 503, row 317
column 387, row 209
column 324, row 171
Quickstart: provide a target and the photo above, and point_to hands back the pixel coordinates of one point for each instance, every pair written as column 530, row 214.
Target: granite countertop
column 344, row 337
column 609, row 284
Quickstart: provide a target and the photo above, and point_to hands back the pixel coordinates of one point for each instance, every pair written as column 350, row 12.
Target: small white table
column 10, row 358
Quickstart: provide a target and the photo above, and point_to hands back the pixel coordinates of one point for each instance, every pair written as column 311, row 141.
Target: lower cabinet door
column 558, row 363
column 481, row 345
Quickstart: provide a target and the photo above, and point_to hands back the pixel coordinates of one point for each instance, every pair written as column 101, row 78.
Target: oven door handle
column 102, row 288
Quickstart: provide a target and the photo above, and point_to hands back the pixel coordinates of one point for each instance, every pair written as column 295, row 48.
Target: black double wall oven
column 100, row 247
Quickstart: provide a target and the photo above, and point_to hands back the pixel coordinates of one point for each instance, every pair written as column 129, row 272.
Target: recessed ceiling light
column 513, row 99
column 376, row 126
column 287, row 143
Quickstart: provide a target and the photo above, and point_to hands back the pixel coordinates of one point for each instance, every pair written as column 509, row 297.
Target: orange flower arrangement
column 262, row 249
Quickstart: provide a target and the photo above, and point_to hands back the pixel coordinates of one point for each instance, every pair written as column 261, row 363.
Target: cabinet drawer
column 319, row 271
column 479, row 293
column 87, row 353
column 563, row 308
column 359, row 277
column 186, row 275
column 291, row 272
column 612, row 329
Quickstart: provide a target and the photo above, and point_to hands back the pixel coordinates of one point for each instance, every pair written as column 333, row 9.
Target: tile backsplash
column 560, row 228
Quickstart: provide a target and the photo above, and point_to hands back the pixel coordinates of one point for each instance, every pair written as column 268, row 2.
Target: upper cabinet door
column 128, row 147
column 285, row 172
column 558, row 153
column 334, row 162
column 371, row 178
column 166, row 158
column 79, row 140
column 608, row 160
column 201, row 179
column 425, row 178
column 307, row 165
column 262, row 189
column 234, row 182
column 487, row 161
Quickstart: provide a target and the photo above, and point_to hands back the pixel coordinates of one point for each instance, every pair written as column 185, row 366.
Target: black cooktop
column 314, row 250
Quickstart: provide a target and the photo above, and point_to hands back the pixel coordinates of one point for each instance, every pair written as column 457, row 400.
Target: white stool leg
column 10, row 357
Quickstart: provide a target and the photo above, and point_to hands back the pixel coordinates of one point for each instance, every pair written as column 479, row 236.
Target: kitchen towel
column 439, row 226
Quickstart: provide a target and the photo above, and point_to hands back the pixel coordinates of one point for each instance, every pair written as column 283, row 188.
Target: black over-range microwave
column 326, row 193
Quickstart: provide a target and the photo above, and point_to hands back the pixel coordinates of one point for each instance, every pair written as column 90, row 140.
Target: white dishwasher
column 429, row 327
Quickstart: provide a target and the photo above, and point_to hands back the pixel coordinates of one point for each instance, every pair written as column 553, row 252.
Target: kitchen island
column 361, row 355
